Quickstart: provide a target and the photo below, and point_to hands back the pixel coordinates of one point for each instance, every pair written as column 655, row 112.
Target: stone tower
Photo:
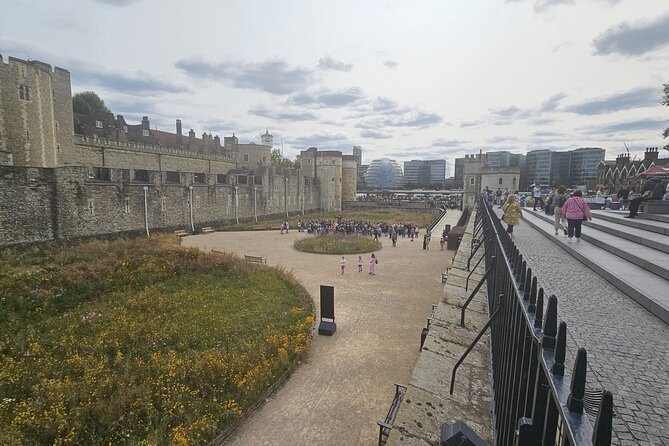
column 36, row 119
column 267, row 139
column 325, row 166
column 349, row 176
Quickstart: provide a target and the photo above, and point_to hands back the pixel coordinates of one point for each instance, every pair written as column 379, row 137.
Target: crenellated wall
column 40, row 204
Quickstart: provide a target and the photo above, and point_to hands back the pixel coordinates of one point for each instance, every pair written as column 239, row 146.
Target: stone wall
column 39, row 204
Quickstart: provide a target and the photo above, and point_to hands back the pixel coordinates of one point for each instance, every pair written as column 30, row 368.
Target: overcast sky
column 411, row 79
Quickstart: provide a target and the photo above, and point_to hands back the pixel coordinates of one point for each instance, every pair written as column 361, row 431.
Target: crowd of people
column 359, row 227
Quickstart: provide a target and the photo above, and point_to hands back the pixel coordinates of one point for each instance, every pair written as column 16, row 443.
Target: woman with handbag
column 576, row 211
column 512, row 213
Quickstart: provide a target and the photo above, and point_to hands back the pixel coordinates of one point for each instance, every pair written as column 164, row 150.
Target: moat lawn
column 139, row 342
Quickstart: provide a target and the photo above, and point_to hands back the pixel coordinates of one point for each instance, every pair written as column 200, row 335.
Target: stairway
column 632, row 254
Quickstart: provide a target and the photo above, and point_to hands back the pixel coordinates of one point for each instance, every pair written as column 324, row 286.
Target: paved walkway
column 345, row 385
column 628, row 347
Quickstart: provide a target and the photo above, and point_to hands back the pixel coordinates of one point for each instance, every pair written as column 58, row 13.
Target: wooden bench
column 181, row 233
column 386, row 425
column 259, row 227
column 256, row 259
column 208, row 230
column 275, row 227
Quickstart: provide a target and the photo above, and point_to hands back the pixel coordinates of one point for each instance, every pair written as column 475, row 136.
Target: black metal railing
column 534, row 401
column 437, row 219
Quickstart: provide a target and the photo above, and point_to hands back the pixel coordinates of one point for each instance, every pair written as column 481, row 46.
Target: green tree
column 665, row 101
column 87, row 102
column 279, row 160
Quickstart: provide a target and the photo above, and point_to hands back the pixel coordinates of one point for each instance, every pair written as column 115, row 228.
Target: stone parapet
column 427, row 404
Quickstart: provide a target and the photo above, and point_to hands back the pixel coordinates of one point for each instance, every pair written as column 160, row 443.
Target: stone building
column 615, row 174
column 64, row 176
column 478, row 175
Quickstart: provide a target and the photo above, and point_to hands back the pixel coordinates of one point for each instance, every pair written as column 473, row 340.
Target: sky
column 405, row 79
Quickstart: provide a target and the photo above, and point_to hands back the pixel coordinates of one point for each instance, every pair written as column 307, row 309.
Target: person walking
column 360, row 263
column 536, row 194
column 373, row 261
column 342, row 263
column 576, row 210
column 512, row 213
column 559, row 200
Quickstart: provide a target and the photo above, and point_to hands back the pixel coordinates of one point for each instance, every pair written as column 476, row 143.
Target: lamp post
column 146, row 210
column 255, row 199
column 285, row 196
column 190, row 205
column 237, row 204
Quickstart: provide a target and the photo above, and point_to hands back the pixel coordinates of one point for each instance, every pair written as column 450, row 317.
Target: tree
column 279, row 160
column 665, row 101
column 87, row 102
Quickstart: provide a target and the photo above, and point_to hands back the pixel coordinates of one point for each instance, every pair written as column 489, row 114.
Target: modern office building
column 458, row 174
column 362, row 171
column 498, row 159
column 424, row 173
column 571, row 168
column 357, row 153
column 583, row 165
column 384, row 173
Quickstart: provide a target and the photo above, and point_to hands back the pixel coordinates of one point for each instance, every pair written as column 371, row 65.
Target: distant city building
column 571, row 168
column 501, row 158
column 384, row 173
column 357, row 153
column 458, row 175
column 362, row 171
column 478, row 175
column 448, row 169
column 424, row 173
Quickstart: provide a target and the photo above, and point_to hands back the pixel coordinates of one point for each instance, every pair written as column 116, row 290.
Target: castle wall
column 349, row 177
column 39, row 204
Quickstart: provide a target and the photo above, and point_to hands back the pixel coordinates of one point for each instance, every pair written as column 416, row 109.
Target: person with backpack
column 559, row 199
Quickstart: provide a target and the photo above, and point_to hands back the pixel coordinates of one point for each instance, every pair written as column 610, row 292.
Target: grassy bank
column 421, row 219
column 139, row 342
column 337, row 244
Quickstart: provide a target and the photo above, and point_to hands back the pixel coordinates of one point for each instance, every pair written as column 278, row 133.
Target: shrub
column 337, row 244
column 140, row 342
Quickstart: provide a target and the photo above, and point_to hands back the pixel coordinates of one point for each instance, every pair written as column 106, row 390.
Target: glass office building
column 384, row 173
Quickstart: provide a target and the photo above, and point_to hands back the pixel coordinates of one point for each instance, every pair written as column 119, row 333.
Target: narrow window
column 264, row 159
column 126, row 205
column 246, row 157
column 98, row 124
column 24, row 92
column 163, row 204
column 199, row 178
column 145, row 132
column 500, row 181
column 172, row 177
column 125, row 129
column 471, row 181
column 141, row 176
column 91, row 207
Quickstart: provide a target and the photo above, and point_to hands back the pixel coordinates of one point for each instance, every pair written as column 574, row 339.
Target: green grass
column 337, row 244
column 422, row 219
column 139, row 342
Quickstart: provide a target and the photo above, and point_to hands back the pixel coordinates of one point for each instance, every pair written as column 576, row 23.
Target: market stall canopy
column 655, row 171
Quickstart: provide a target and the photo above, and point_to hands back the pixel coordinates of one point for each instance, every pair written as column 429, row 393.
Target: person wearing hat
column 651, row 190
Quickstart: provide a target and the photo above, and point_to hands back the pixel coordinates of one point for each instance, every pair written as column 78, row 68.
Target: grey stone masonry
column 627, row 346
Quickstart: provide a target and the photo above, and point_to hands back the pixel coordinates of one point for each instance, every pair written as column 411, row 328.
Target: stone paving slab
column 646, row 288
column 648, row 225
column 627, row 346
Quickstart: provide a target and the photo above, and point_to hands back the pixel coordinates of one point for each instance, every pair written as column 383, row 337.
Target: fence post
column 560, row 350
column 601, row 435
column 575, row 400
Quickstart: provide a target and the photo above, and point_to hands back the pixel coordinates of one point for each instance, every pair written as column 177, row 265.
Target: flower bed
column 337, row 244
column 140, row 342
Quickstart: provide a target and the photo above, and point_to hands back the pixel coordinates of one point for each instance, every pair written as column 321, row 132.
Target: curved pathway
column 345, row 384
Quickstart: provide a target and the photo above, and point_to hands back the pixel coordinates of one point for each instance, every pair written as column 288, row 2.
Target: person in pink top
column 372, row 264
column 575, row 210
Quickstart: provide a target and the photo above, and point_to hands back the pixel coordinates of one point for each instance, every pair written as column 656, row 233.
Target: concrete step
column 643, row 237
column 658, row 217
column 647, row 225
column 645, row 287
column 651, row 260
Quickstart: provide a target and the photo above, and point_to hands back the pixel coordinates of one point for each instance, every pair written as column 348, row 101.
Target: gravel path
column 345, row 384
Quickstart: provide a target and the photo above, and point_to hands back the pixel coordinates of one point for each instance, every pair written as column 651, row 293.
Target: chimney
column 145, row 123
column 652, row 153
column 178, row 132
column 191, row 135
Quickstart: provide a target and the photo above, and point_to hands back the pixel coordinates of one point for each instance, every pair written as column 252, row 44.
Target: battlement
column 14, row 61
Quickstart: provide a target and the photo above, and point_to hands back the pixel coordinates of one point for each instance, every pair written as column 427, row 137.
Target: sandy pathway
column 345, row 384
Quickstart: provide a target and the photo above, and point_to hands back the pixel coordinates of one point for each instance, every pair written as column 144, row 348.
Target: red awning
column 655, row 171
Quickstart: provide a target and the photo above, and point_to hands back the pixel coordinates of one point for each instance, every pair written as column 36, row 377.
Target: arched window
column 500, row 181
column 514, row 181
column 471, row 181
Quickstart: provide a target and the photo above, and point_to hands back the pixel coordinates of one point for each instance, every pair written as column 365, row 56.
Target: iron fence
column 534, row 401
